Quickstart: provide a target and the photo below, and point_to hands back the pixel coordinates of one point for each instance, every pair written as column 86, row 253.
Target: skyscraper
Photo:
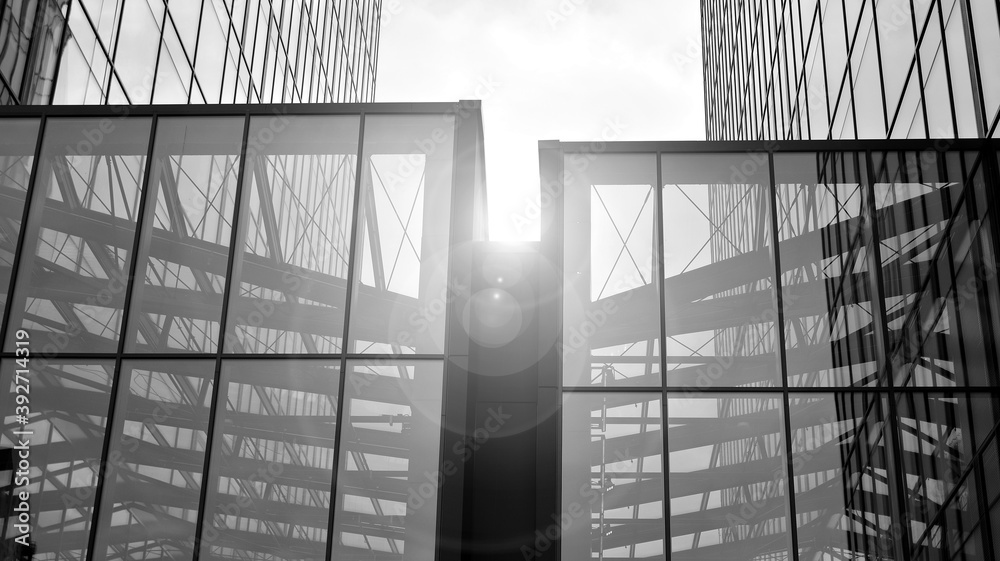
column 845, row 69
column 192, row 51
column 879, row 221
column 275, row 332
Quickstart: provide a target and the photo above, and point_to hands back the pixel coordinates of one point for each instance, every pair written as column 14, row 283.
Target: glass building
column 191, row 51
column 777, row 352
column 236, row 324
column 278, row 332
column 850, row 69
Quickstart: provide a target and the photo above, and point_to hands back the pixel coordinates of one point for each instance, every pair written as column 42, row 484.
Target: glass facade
column 778, row 352
column 90, row 52
column 152, row 260
column 276, row 332
column 846, row 69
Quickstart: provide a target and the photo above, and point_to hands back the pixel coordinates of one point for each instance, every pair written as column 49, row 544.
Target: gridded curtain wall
column 269, row 383
column 844, row 69
column 778, row 354
column 31, row 39
column 188, row 51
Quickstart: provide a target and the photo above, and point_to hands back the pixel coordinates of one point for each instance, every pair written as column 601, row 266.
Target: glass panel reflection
column 69, row 408
column 153, row 479
column 17, row 155
column 289, row 285
column 938, row 267
column 272, row 460
column 611, row 319
column 727, row 476
column 186, row 235
column 389, row 455
column 841, row 485
column 70, row 289
column 938, row 441
column 402, row 252
column 720, row 307
column 612, row 476
column 826, row 296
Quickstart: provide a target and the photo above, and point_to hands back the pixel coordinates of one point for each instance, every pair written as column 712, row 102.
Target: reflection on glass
column 386, row 501
column 136, row 49
column 720, row 308
column 612, row 476
column 727, row 476
column 272, row 460
column 402, row 252
column 938, row 267
column 289, row 282
column 181, row 274
column 611, row 320
column 910, row 198
column 153, row 478
column 70, row 289
column 210, row 62
column 69, row 407
column 17, row 154
column 938, row 440
column 841, row 488
column 829, row 327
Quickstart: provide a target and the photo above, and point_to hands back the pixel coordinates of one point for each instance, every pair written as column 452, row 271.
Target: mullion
column 659, row 268
column 22, row 234
column 140, row 219
column 791, row 513
column 348, row 307
column 897, row 491
column 195, row 83
column 218, row 385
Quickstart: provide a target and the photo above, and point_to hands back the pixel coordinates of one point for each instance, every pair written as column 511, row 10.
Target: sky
column 547, row 70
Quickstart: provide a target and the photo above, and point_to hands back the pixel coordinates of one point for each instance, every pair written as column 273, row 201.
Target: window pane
column 17, row 155
column 69, row 407
column 984, row 15
column 841, row 494
column 866, row 89
column 896, row 47
column 389, row 453
column 829, row 327
column 612, row 476
column 289, row 286
column 153, row 479
column 173, row 72
column 402, row 252
column 210, row 62
column 70, row 289
column 135, row 55
column 272, row 460
column 937, row 265
column 938, row 441
column 720, row 305
column 181, row 275
column 727, row 476
column 611, row 323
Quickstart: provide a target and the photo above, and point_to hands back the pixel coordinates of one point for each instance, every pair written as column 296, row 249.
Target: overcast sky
column 547, row 69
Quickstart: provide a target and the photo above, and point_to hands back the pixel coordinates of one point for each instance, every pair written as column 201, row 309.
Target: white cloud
column 562, row 69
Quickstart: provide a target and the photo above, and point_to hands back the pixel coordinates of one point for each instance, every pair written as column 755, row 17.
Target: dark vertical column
column 506, row 442
column 468, row 193
column 499, row 494
column 549, row 461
